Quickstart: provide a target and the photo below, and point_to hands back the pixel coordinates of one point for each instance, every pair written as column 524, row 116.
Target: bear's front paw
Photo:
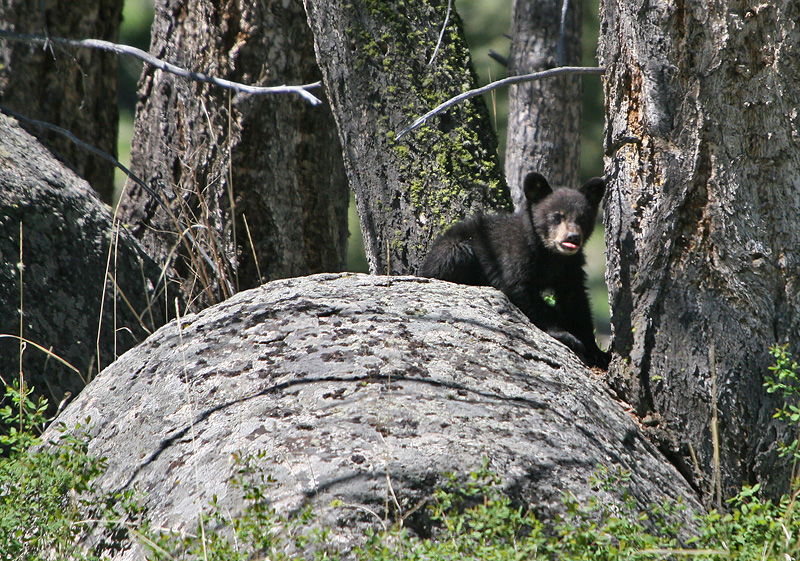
column 571, row 341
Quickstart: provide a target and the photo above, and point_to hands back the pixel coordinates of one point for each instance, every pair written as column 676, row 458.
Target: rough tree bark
column 376, row 61
column 74, row 89
column 352, row 387
column 703, row 221
column 54, row 225
column 544, row 117
column 220, row 159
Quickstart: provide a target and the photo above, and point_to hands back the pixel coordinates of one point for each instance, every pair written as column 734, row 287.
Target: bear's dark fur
column 538, row 248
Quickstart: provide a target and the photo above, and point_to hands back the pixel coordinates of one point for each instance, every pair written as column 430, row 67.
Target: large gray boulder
column 86, row 289
column 357, row 387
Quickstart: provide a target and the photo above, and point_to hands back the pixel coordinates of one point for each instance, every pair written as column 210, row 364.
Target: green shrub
column 753, row 529
column 785, row 382
column 21, row 421
column 48, row 502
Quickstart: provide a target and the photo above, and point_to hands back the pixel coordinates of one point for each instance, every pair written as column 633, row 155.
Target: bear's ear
column 535, row 187
column 593, row 190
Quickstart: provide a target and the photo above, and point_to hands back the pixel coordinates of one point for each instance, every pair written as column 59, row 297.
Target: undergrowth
column 476, row 520
column 50, row 508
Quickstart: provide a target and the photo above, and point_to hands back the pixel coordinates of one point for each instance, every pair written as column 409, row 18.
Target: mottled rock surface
column 89, row 293
column 349, row 382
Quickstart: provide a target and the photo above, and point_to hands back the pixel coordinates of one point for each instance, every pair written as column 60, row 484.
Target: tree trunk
column 376, row 61
column 544, row 117
column 54, row 253
column 74, row 89
column 237, row 168
column 703, row 223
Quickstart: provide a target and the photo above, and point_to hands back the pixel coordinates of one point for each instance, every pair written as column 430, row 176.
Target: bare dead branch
column 441, row 34
column 498, row 84
column 562, row 31
column 163, row 65
column 86, row 146
column 502, row 60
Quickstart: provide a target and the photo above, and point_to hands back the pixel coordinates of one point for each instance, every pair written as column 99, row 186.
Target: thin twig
column 75, row 140
column 21, row 268
column 498, row 84
column 45, row 351
column 441, row 34
column 163, row 65
column 191, row 416
column 252, row 246
column 717, row 473
column 368, row 511
column 562, row 31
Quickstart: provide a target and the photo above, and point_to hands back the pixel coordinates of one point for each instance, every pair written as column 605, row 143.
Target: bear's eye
column 558, row 217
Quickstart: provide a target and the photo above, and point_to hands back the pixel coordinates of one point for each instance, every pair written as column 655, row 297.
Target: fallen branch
column 163, row 65
column 498, row 84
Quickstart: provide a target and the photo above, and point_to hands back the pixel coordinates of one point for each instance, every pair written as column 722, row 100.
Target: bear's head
column 563, row 219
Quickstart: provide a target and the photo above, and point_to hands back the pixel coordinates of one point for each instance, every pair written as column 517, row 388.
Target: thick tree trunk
column 55, row 237
column 237, row 168
column 703, row 222
column 376, row 61
column 74, row 89
column 544, row 117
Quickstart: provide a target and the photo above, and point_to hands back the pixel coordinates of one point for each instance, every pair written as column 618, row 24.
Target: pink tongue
column 569, row 245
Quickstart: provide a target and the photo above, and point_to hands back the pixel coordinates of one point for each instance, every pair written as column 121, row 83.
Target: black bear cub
column 538, row 248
